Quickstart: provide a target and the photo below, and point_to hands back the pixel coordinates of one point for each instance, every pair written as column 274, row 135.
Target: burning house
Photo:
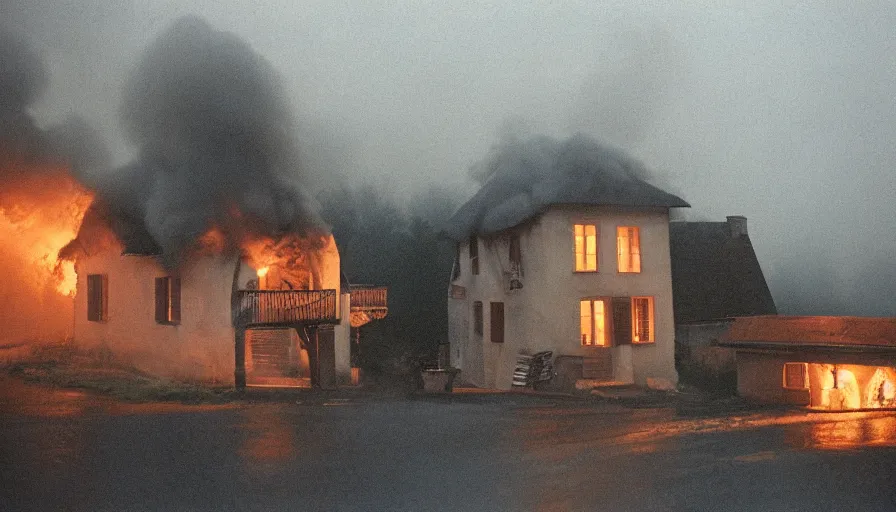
column 564, row 249
column 203, row 259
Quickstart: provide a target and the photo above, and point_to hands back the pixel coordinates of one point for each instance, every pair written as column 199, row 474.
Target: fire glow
column 39, row 215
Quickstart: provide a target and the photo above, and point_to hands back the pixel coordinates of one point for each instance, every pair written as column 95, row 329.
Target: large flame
column 40, row 213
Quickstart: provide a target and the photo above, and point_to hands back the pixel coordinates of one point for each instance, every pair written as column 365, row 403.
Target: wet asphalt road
column 65, row 450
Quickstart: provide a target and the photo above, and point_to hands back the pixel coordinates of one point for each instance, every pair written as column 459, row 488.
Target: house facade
column 827, row 363
column 582, row 271
column 213, row 318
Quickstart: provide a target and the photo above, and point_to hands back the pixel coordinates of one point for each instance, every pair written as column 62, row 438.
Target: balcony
column 286, row 307
column 368, row 303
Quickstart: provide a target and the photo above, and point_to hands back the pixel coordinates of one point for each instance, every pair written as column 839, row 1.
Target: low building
column 716, row 277
column 832, row 363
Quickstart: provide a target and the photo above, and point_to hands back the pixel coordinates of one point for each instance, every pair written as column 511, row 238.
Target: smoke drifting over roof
column 522, row 177
column 216, row 143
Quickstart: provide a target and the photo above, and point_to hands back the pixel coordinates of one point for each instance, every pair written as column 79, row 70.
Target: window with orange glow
column 593, row 323
column 796, row 376
column 642, row 320
column 585, row 236
column 628, row 249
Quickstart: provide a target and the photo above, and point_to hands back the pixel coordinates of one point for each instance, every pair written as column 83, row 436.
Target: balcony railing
column 369, row 297
column 273, row 307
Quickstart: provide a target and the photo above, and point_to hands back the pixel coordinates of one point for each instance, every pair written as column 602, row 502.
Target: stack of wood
column 533, row 369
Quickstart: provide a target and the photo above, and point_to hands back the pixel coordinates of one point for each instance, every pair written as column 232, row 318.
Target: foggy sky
column 783, row 114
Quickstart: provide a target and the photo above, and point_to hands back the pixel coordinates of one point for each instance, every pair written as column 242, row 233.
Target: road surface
column 68, row 450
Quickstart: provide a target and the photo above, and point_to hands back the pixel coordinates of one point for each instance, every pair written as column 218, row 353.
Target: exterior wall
column 760, row 379
column 695, row 354
column 201, row 348
column 544, row 314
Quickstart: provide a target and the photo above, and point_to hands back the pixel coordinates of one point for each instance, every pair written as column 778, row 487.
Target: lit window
column 97, row 298
column 796, row 376
column 628, row 249
column 593, row 322
column 642, row 320
column 168, row 300
column 586, row 247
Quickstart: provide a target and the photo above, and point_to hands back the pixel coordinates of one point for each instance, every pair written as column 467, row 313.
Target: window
column 497, row 322
column 455, row 270
column 97, row 298
column 168, row 300
column 628, row 249
column 585, row 236
column 796, row 376
column 474, row 255
column 642, row 320
column 477, row 318
column 593, row 323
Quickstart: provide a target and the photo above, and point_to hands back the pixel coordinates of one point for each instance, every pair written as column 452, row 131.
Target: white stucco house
column 213, row 318
column 575, row 261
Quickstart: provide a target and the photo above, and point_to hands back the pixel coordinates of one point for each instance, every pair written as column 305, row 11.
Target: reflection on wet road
column 73, row 451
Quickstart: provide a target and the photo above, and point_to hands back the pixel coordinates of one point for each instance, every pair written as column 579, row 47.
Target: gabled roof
column 811, row 331
column 573, row 172
column 715, row 275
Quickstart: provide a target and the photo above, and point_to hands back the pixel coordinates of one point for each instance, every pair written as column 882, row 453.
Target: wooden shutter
column 474, row 255
column 95, row 298
column 497, row 322
column 622, row 320
column 162, row 300
column 477, row 318
column 175, row 300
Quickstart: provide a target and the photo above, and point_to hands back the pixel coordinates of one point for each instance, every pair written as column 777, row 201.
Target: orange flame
column 40, row 213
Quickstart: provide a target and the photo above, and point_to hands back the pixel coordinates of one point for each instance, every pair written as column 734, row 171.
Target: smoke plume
column 215, row 136
column 521, row 177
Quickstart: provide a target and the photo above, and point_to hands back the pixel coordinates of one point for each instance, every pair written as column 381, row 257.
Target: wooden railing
column 369, row 297
column 272, row 307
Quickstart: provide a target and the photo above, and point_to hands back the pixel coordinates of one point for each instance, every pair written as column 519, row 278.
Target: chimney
column 737, row 226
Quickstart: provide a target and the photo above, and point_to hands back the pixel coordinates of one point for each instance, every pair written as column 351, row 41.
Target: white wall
column 544, row 314
column 201, row 348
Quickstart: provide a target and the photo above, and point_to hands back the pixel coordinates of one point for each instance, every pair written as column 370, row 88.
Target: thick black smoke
column 215, row 134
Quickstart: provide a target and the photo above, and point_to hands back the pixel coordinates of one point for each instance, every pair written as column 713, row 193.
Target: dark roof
column 715, row 275
column 811, row 331
column 128, row 227
column 499, row 205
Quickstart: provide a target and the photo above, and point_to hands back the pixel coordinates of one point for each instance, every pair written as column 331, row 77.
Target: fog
column 783, row 114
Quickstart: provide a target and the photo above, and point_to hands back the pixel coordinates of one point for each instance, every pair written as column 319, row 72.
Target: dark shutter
column 175, row 300
column 515, row 252
column 622, row 320
column 477, row 318
column 474, row 255
column 162, row 300
column 95, row 298
column 497, row 322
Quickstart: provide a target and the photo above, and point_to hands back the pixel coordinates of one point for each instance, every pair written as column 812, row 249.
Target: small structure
column 831, row 363
column 716, row 276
